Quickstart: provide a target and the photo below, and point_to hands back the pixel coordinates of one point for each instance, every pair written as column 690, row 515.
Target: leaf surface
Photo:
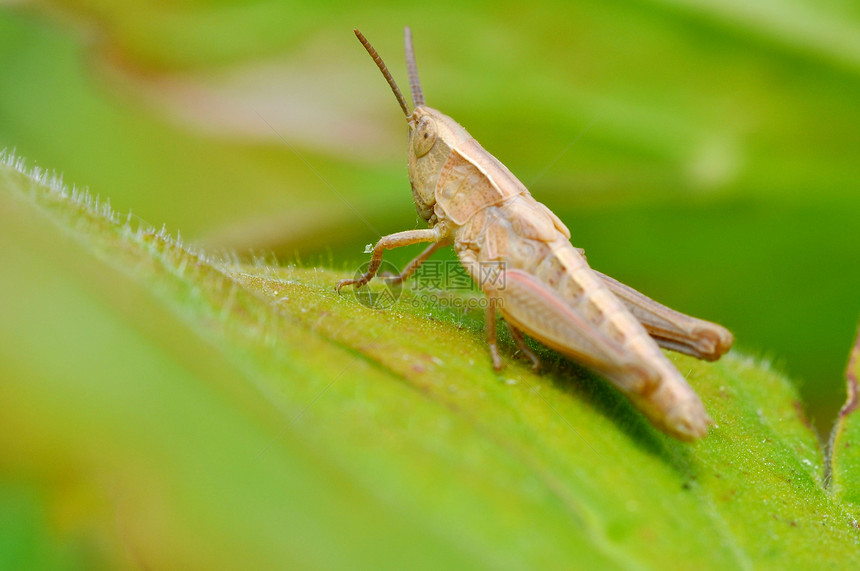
column 174, row 409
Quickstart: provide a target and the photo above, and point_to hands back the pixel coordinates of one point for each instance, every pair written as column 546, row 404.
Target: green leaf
column 845, row 440
column 170, row 409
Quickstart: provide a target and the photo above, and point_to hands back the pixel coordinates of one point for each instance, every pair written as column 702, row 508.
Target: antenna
column 414, row 82
column 381, row 65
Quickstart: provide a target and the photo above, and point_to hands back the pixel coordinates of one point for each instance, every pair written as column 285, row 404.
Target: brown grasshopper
column 541, row 284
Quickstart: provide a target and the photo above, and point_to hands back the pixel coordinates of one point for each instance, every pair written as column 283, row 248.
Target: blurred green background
column 705, row 152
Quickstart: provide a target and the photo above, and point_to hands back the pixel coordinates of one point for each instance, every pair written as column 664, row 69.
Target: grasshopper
column 541, row 284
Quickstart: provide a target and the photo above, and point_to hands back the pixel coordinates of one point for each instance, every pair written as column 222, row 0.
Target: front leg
column 414, row 264
column 406, row 238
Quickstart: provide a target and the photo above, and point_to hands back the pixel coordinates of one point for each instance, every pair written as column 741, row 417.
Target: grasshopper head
column 432, row 134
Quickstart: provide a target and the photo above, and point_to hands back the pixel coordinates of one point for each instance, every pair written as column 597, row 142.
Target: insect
column 520, row 255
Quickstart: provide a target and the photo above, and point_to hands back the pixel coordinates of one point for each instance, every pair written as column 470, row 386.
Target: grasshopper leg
column 389, row 242
column 490, row 324
column 672, row 329
column 524, row 349
column 515, row 333
column 414, row 264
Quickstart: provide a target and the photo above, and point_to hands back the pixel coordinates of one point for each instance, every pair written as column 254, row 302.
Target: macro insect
column 519, row 253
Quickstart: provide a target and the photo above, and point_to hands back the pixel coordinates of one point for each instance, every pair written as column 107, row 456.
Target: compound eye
column 424, row 137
